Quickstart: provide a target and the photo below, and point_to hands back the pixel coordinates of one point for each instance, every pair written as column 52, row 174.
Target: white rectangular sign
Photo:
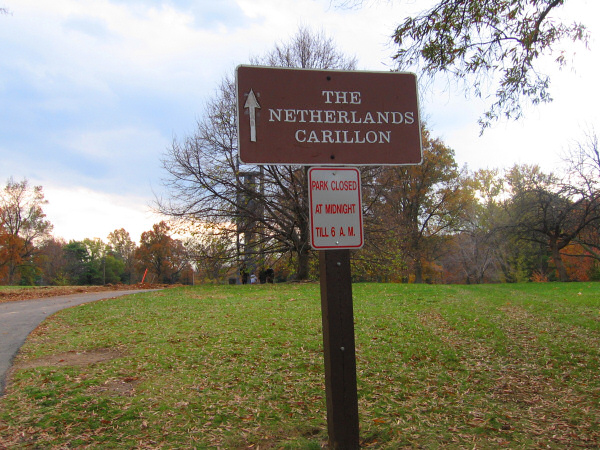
column 335, row 208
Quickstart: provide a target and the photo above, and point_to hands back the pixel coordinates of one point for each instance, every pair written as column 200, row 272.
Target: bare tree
column 583, row 162
column 267, row 205
column 583, row 176
column 472, row 255
column 212, row 252
column 307, row 50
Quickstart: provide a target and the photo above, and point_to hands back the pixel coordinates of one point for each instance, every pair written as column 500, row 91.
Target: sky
column 93, row 92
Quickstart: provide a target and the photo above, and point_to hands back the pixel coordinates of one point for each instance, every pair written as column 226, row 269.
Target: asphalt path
column 18, row 319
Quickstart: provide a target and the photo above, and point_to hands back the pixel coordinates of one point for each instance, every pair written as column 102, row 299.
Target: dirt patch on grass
column 72, row 358
column 117, row 388
column 122, row 387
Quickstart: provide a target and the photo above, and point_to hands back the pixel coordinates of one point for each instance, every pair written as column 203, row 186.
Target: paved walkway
column 18, row 319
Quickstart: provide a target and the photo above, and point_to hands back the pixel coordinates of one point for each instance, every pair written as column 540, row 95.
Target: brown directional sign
column 322, row 117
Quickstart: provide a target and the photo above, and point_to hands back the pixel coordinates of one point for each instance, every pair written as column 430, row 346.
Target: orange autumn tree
column 22, row 225
column 578, row 263
column 163, row 256
column 9, row 255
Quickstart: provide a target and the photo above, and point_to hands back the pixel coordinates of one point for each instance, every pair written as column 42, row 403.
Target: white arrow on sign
column 252, row 104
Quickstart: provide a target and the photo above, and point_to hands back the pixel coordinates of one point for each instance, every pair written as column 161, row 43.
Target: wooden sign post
column 339, row 349
column 331, row 118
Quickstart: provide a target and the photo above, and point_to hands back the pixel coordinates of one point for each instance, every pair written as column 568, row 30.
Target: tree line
column 434, row 222
column 30, row 255
column 450, row 225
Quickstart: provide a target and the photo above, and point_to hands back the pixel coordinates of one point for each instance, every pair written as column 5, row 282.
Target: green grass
column 513, row 366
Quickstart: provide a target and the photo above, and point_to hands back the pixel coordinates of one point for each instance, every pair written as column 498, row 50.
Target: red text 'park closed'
column 335, row 208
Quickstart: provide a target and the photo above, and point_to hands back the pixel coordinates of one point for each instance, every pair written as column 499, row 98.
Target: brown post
column 338, row 344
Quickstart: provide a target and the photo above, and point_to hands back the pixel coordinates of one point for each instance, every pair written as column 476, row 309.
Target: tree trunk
column 302, row 269
column 418, row 271
column 558, row 262
column 12, row 272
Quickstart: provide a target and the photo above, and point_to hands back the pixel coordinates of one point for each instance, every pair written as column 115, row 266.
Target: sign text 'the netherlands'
column 298, row 116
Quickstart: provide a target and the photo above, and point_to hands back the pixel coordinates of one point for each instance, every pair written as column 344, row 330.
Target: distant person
column 244, row 274
column 270, row 275
column 253, row 279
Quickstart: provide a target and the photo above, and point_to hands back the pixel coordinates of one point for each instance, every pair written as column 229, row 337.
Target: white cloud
column 79, row 213
column 130, row 145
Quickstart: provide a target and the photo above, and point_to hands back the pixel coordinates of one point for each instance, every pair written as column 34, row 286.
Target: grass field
column 492, row 366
